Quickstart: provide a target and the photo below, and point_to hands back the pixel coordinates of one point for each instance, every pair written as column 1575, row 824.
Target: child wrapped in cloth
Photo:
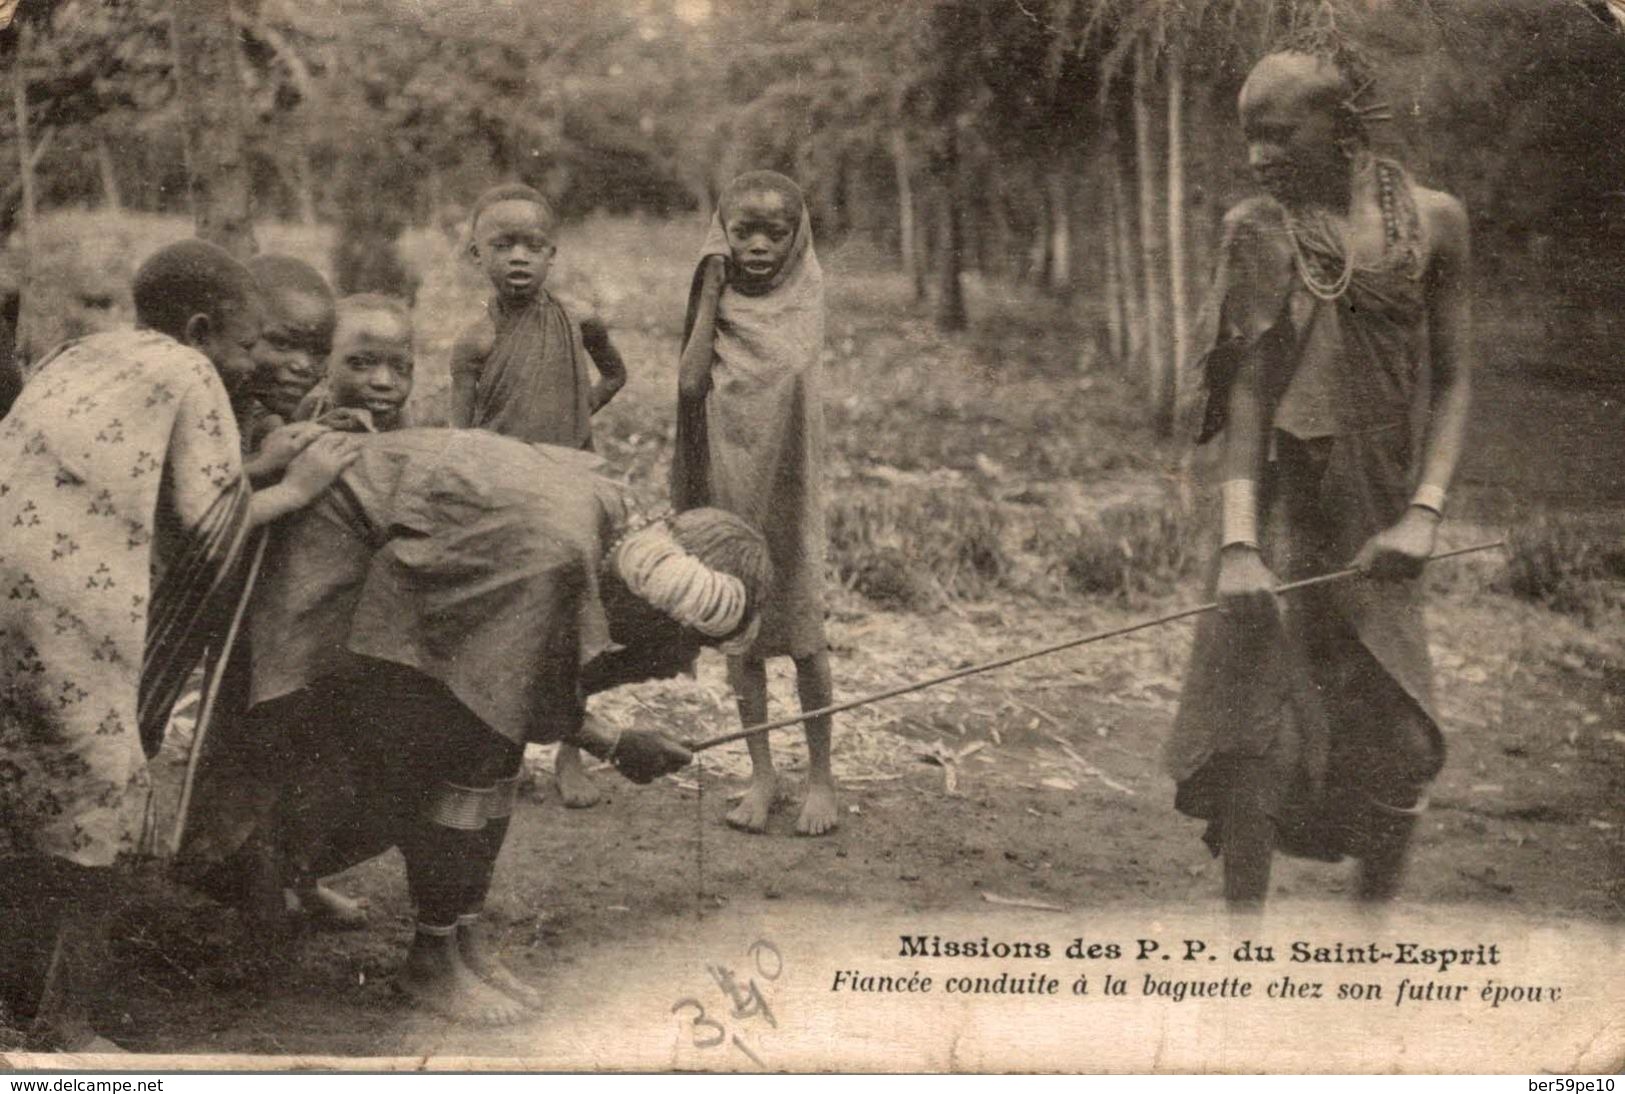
column 750, row 439
column 454, row 598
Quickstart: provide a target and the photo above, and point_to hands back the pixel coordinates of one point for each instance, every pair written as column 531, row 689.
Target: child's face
column 290, row 357
column 760, row 233
column 371, row 366
column 514, row 244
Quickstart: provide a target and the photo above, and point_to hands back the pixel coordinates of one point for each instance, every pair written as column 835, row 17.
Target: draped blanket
column 122, row 511
column 1251, row 692
column 469, row 558
column 534, row 383
column 756, row 448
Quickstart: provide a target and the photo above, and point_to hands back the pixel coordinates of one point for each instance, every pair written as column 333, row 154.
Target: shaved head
column 284, row 273
column 376, row 302
column 513, row 191
column 187, row 279
column 1295, row 77
column 763, row 182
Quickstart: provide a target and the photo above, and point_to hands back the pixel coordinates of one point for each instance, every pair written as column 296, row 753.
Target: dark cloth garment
column 1348, row 664
column 756, row 447
column 1305, row 696
column 338, row 773
column 534, row 385
column 471, row 558
column 451, row 562
column 255, row 422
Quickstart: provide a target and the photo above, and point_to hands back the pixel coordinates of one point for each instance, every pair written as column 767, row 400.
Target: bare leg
column 749, row 680
column 1249, row 839
column 478, row 950
column 576, row 789
column 820, row 812
column 444, row 858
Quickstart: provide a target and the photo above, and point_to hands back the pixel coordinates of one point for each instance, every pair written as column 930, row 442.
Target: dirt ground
column 1041, row 782
column 1058, row 798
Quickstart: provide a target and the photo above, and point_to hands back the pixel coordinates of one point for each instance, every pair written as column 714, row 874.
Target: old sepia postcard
column 811, row 536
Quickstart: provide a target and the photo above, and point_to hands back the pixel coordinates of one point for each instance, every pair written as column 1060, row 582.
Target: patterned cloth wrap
column 122, row 512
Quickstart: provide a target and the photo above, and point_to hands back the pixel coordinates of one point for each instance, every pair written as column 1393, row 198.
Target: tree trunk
column 1128, row 256
column 1038, row 256
column 996, row 228
column 1116, row 348
column 1177, row 240
column 924, row 217
column 111, row 198
column 26, row 211
column 950, row 309
column 907, row 245
column 1153, row 264
column 1060, row 228
column 211, row 95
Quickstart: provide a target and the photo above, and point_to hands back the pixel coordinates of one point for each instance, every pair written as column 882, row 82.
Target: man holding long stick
column 1308, row 725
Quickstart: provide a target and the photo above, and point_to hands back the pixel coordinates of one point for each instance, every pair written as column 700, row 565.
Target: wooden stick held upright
column 1043, row 651
column 211, row 691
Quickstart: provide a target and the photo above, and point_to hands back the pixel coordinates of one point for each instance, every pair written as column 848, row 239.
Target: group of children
column 296, row 374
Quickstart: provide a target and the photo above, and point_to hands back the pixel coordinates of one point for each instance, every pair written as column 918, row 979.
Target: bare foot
column 576, row 789
column 332, row 909
column 435, row 978
column 474, row 943
column 751, row 814
column 819, row 813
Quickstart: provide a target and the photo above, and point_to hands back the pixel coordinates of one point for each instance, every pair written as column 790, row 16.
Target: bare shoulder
column 1444, row 221
column 1256, row 214
column 474, row 344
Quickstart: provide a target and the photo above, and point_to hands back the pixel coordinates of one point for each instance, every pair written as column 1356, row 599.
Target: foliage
column 1570, row 563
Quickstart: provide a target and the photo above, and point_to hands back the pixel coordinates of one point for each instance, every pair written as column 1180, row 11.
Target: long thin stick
column 211, row 691
column 1071, row 643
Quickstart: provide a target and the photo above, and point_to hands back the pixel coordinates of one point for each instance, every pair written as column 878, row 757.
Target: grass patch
column 908, row 549
column 1571, row 563
column 1137, row 548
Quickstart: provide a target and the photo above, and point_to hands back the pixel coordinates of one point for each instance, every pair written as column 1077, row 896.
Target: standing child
column 297, row 317
column 521, row 369
column 750, row 439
